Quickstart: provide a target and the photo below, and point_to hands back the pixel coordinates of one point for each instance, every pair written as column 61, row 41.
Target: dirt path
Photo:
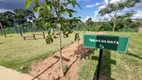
column 49, row 69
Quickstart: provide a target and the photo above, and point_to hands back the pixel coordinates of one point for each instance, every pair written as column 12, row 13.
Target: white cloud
column 86, row 18
column 94, row 18
column 97, row 4
column 89, row 6
column 115, row 1
column 106, row 1
column 103, row 4
column 97, row 18
column 96, row 13
column 107, row 16
column 4, row 10
column 138, row 15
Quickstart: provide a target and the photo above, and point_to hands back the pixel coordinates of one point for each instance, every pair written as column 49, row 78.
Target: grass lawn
column 116, row 66
column 16, row 52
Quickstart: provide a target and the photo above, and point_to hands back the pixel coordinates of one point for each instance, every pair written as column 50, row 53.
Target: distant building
column 140, row 30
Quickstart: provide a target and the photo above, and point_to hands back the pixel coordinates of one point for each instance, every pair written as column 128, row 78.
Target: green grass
column 16, row 52
column 116, row 66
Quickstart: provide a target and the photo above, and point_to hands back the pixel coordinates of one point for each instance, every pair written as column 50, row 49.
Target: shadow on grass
column 105, row 70
column 1, row 43
column 133, row 55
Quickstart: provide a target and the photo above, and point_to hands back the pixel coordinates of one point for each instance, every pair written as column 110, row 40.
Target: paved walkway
column 9, row 74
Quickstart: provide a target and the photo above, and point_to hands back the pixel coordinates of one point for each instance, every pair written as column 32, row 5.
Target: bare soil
column 49, row 69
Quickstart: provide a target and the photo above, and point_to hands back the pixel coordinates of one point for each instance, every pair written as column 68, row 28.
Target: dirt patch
column 49, row 69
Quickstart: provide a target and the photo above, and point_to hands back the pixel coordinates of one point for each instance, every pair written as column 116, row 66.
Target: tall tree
column 9, row 17
column 89, row 23
column 6, row 18
column 113, row 9
column 21, row 15
column 51, row 9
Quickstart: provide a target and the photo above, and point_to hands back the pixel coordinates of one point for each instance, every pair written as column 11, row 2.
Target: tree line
column 20, row 19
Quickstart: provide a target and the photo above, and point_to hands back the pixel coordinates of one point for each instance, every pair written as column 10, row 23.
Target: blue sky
column 89, row 8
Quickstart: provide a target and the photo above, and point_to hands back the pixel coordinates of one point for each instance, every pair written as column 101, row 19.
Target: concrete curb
column 9, row 74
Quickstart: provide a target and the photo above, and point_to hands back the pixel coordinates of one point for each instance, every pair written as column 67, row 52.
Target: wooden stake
column 44, row 35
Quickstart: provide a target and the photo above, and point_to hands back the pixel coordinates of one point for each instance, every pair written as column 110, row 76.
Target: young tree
column 116, row 8
column 76, row 21
column 51, row 9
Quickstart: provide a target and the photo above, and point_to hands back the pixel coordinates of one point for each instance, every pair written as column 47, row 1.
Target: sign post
column 99, row 64
column 104, row 42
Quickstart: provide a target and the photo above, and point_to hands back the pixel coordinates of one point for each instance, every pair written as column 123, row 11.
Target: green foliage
column 77, row 37
column 117, row 8
column 106, row 26
column 28, row 3
column 124, row 23
column 9, row 30
column 6, row 18
column 128, row 29
column 65, row 68
column 11, row 19
column 94, row 26
column 51, row 11
column 49, row 39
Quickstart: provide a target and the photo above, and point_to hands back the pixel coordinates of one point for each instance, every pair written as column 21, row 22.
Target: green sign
column 116, row 43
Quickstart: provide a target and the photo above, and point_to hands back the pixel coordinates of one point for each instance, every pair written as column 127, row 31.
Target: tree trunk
column 60, row 48
column 60, row 42
column 114, row 25
column 2, row 30
column 78, row 34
